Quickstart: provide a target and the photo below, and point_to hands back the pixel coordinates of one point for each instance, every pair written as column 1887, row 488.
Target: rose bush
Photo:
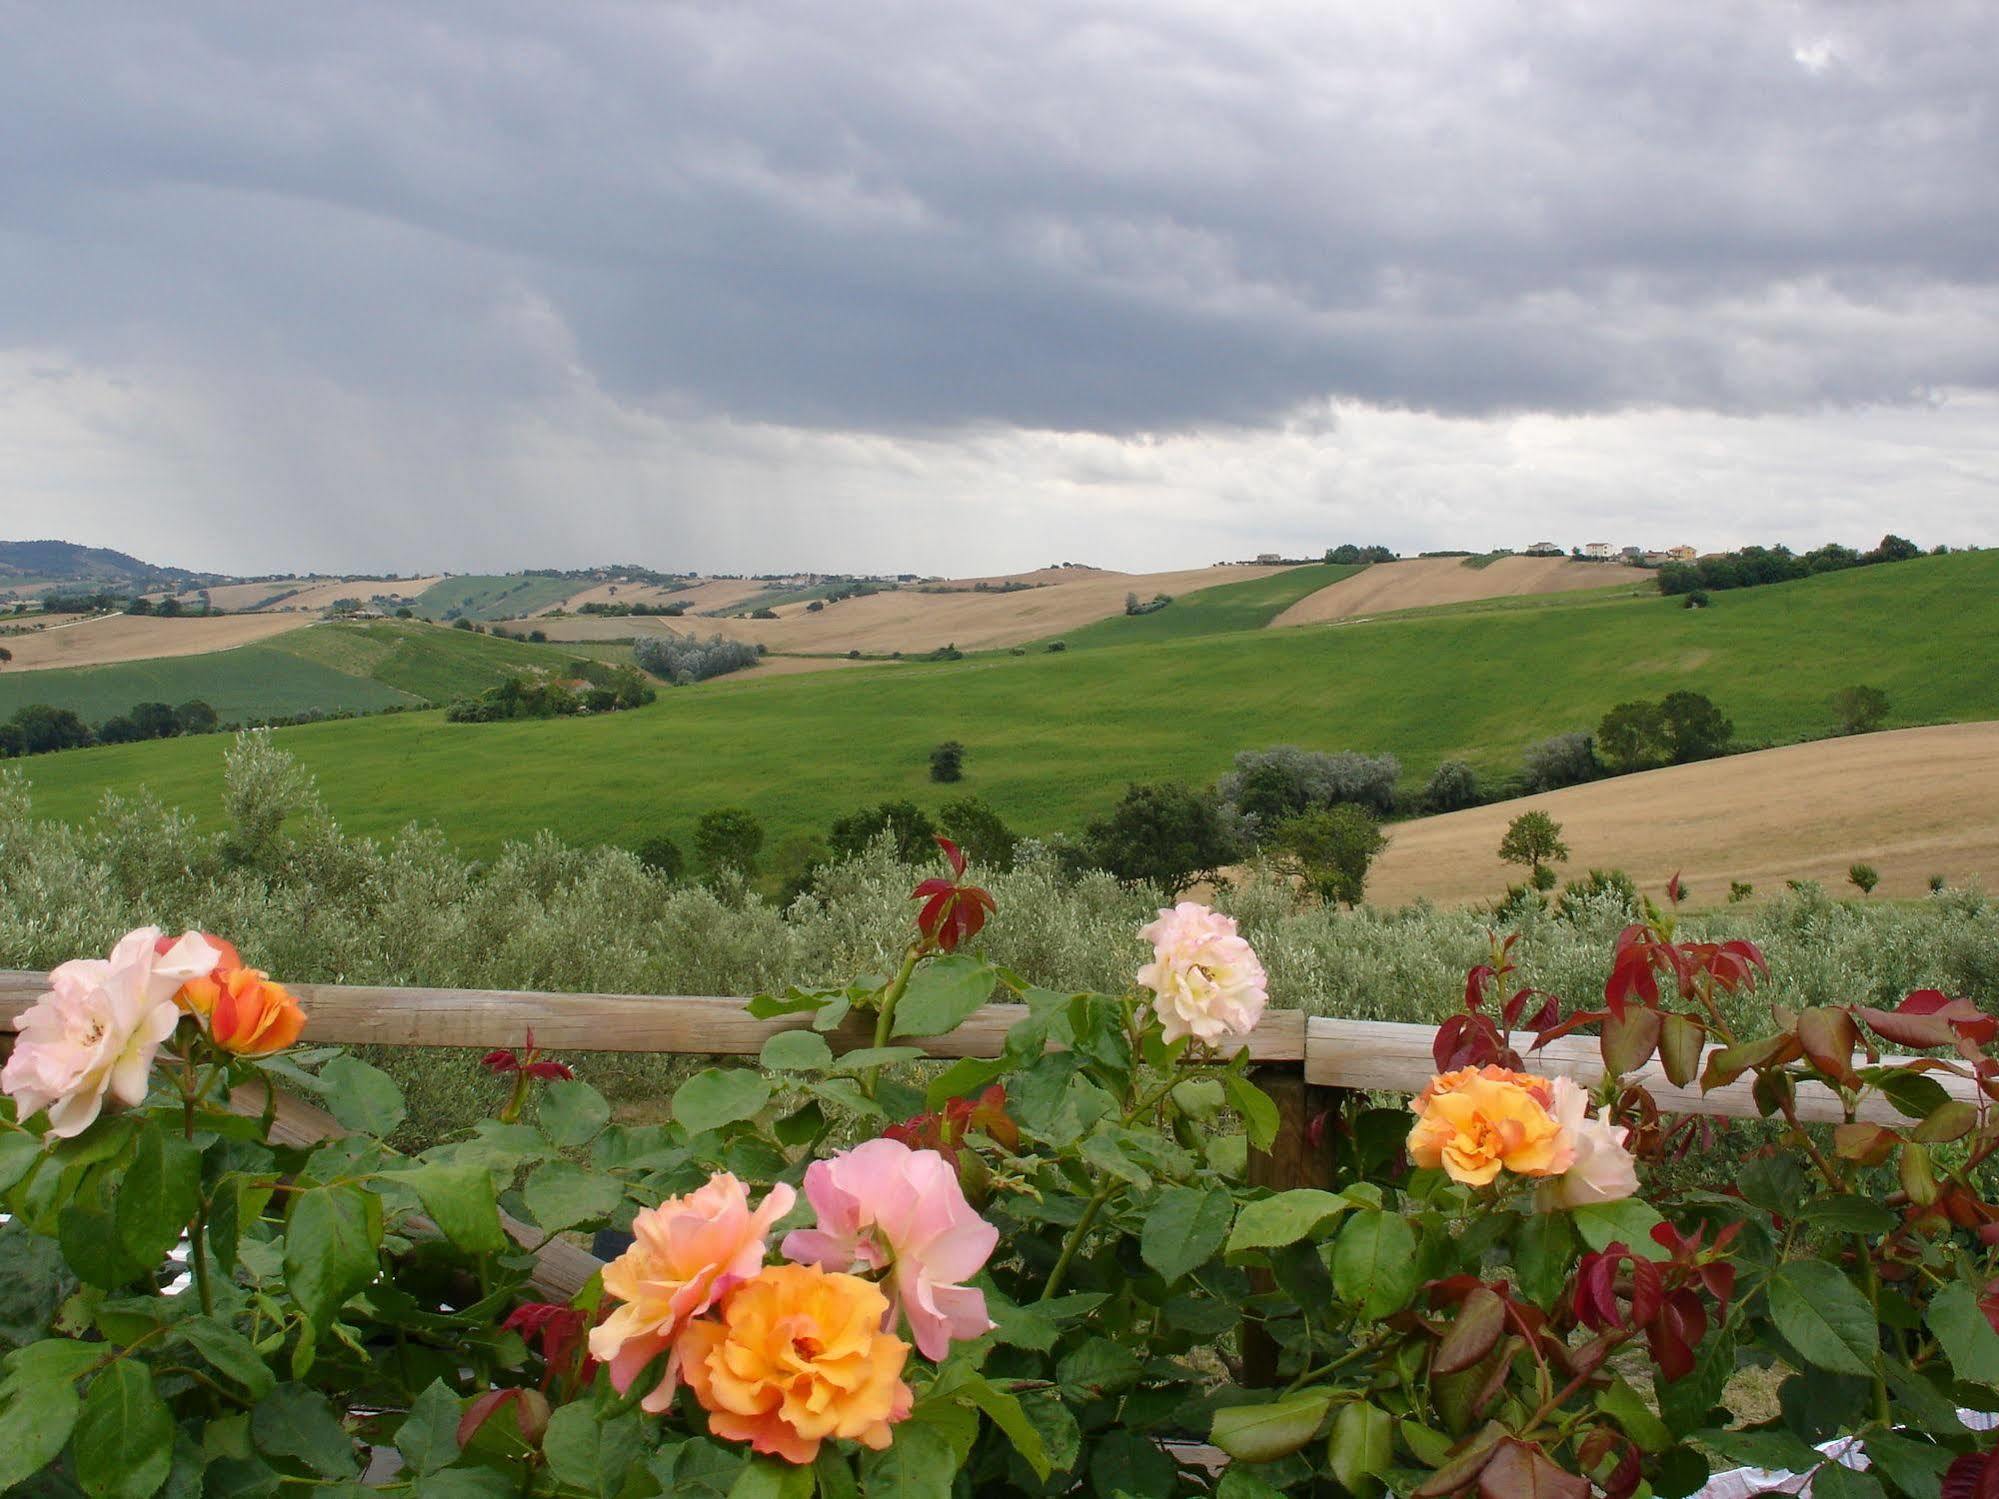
column 1039, row 1272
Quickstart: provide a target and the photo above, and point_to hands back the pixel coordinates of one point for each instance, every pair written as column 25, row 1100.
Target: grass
column 489, row 596
column 1051, row 739
column 359, row 667
column 1220, row 610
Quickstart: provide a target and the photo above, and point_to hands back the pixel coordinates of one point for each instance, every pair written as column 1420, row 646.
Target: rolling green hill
column 488, row 597
column 359, row 667
column 1212, row 611
column 1051, row 739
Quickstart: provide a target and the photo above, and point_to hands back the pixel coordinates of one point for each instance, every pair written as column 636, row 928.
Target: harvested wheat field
column 1422, row 582
column 308, row 596
column 1913, row 803
column 124, row 637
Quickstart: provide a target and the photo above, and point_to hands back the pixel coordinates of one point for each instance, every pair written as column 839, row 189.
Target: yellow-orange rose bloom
column 244, row 1011
column 1479, row 1121
column 799, row 1356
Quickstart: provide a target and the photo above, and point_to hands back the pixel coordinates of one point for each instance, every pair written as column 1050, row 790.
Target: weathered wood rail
column 1305, row 1063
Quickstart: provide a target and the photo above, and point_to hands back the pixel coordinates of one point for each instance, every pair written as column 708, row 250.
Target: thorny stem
column 885, row 1020
column 1076, row 1235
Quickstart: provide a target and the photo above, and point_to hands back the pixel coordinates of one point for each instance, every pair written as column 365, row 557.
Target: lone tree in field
column 728, row 840
column 1632, row 736
column 1330, row 851
column 1453, row 787
column 1166, row 834
column 947, row 761
column 663, row 857
column 1534, row 839
column 1694, row 727
column 1863, row 877
column 1858, row 709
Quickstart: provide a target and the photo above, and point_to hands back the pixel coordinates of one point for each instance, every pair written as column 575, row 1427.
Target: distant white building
column 1545, row 549
column 1268, row 559
column 1597, row 549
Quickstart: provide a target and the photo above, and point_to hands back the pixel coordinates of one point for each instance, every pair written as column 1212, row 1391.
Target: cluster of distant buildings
column 1603, row 551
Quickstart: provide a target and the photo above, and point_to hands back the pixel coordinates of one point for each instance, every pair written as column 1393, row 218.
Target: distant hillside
column 40, row 563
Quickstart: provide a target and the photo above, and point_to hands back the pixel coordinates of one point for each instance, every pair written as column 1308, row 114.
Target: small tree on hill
column 1452, row 787
column 1632, row 736
column 978, row 830
column 728, row 839
column 663, row 857
column 1859, row 709
column 908, row 824
column 1562, row 760
column 1166, row 834
column 196, row 717
column 1534, row 839
column 1694, row 727
column 1863, row 877
column 1330, row 851
column 155, row 720
column 947, row 761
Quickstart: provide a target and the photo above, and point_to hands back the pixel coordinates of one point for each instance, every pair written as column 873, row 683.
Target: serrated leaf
column 1287, row 1217
column 572, row 1112
column 124, row 1436
column 1258, row 1111
column 1375, row 1265
column 796, row 1051
column 1264, row 1433
column 718, row 1096
column 560, row 1195
column 363, row 1098
column 428, row 1436
column 459, row 1199
column 1185, row 1228
column 943, row 994
column 296, row 1422
column 330, row 1240
column 1817, row 1309
column 231, row 1354
column 1967, row 1338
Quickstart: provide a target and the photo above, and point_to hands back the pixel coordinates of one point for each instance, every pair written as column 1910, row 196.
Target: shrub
column 686, row 659
column 405, row 612
column 1057, row 645
column 815, row 607
column 1859, row 709
column 1937, row 884
column 1632, row 736
column 1600, row 890
column 1558, row 761
column 538, row 637
column 155, row 720
column 1329, row 850
column 1274, row 784
column 461, row 623
column 763, row 614
column 1739, row 891
column 1694, row 727
column 947, row 761
column 727, row 841
column 1863, row 877
column 1166, row 834
column 1452, row 787
column 1534, row 839
column 662, row 856
column 1695, row 600
column 196, row 717
column 977, row 829
column 1018, row 650
column 43, row 729
column 907, row 825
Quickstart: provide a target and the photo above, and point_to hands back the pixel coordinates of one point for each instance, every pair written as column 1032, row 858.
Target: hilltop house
column 1544, row 549
column 1596, row 551
column 1681, row 553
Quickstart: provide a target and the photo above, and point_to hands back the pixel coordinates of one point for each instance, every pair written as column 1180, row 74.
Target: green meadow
column 1212, row 611
column 1052, row 739
column 360, row 667
column 490, row 596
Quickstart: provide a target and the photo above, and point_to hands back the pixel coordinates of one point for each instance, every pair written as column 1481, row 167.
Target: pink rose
column 1602, row 1170
column 98, row 1028
column 688, row 1253
column 1205, row 980
column 884, row 1207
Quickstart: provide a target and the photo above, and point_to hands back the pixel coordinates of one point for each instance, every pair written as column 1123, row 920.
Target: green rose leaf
column 1273, row 1222
column 572, row 1112
column 233, row 1356
column 1264, row 1433
column 1629, row 1222
column 36, row 1415
column 587, row 1452
column 1259, row 1113
column 330, row 1242
column 460, row 1200
column 1375, row 1265
column 124, row 1436
column 708, row 1100
column 1005, row 1412
column 561, row 1195
column 428, row 1437
column 1966, row 1336
column 772, row 1478
column 296, row 1422
column 918, row 1464
column 158, row 1195
column 1824, row 1317
column 1541, row 1248
column 942, row 993
column 1361, row 1447
column 363, row 1098
column 796, row 1051
column 1185, row 1229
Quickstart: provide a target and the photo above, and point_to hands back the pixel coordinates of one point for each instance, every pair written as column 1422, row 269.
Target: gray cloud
column 428, row 230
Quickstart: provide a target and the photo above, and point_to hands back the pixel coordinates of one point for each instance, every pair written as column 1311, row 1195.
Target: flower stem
column 885, row 1020
column 1076, row 1235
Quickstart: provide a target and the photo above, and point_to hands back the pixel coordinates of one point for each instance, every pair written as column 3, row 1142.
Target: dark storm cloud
column 1118, row 218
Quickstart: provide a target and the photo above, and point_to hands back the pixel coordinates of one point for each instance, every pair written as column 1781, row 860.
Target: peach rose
column 687, row 1254
column 799, row 1356
column 1602, row 1170
column 1205, row 979
column 244, row 1011
column 1476, row 1126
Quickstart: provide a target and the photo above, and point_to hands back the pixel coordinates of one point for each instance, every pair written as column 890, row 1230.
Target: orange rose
column 799, row 1356
column 197, row 996
column 1474, row 1123
column 246, row 1013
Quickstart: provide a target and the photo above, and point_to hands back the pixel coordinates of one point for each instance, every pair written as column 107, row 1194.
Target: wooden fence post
column 1293, row 1160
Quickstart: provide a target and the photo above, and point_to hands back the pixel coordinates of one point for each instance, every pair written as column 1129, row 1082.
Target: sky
column 910, row 285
